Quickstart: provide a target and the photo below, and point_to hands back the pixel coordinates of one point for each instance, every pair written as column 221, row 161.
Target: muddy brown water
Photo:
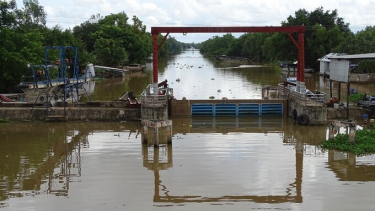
column 258, row 163
column 212, row 164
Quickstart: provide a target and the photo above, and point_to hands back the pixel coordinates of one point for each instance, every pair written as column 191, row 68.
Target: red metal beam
column 229, row 29
column 161, row 43
column 293, row 41
column 155, row 58
column 301, row 58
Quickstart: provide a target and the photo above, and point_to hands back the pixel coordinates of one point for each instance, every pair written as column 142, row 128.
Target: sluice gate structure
column 300, row 107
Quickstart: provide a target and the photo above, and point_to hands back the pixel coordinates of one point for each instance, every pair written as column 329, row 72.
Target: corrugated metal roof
column 354, row 56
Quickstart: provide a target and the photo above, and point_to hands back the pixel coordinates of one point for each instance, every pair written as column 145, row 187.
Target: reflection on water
column 212, row 161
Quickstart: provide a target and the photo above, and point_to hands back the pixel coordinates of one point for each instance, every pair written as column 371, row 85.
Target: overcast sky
column 69, row 13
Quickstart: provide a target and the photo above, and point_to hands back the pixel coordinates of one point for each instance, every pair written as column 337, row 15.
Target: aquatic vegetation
column 356, row 97
column 364, row 143
column 3, row 120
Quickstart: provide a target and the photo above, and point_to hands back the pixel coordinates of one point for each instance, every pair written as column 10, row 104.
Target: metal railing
column 289, row 91
column 160, row 99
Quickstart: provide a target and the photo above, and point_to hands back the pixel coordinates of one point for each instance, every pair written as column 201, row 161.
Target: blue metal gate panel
column 272, row 108
column 225, row 109
column 204, row 109
column 231, row 109
column 245, row 109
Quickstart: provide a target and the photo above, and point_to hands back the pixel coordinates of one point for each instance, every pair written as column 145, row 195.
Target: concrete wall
column 354, row 112
column 316, row 112
column 73, row 114
column 154, row 113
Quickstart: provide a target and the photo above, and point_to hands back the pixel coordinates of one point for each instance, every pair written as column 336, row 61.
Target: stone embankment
column 91, row 111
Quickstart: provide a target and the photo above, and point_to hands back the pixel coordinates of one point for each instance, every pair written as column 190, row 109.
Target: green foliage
column 218, row 45
column 324, row 32
column 364, row 143
column 356, row 97
column 3, row 120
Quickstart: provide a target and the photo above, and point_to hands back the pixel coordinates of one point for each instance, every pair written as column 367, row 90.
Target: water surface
column 258, row 163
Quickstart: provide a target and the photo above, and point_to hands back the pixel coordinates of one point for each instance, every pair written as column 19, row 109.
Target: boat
column 110, row 71
column 42, row 89
column 367, row 103
column 293, row 68
column 55, row 81
column 315, row 96
column 134, row 67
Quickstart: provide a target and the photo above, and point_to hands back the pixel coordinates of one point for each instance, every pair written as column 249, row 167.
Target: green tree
column 324, row 31
column 33, row 14
column 20, row 45
column 86, row 30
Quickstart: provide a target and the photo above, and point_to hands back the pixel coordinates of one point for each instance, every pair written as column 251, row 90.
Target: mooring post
column 332, row 131
column 169, row 134
column 352, row 159
column 144, row 135
column 156, row 137
column 352, row 131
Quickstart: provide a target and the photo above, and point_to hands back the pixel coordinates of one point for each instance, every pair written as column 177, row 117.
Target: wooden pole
column 339, row 92
column 330, row 88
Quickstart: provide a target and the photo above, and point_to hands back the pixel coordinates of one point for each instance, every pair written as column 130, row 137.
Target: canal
column 266, row 163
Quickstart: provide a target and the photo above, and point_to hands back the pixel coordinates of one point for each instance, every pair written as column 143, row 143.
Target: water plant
column 356, row 97
column 364, row 142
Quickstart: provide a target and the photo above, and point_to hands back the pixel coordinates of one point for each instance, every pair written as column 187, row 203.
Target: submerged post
column 156, row 125
column 156, row 137
column 145, row 135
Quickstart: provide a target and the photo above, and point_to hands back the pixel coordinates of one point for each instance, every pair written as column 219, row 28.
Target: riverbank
column 92, row 111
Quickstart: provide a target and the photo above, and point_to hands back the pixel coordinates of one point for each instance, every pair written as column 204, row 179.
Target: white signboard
column 339, row 70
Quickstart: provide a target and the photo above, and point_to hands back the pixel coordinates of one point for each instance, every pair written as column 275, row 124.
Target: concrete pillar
column 169, row 134
column 352, row 132
column 156, row 137
column 332, row 131
column 302, row 88
column 298, row 88
column 351, row 159
column 155, row 90
column 145, row 135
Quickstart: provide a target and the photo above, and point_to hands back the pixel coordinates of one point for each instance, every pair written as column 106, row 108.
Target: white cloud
column 204, row 12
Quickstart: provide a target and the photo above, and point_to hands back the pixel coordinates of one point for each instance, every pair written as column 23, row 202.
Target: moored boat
column 134, row 67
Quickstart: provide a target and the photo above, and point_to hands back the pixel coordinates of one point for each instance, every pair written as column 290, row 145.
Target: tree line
column 326, row 32
column 114, row 40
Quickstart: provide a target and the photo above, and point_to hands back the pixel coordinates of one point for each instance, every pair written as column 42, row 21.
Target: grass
column 3, row 120
column 364, row 143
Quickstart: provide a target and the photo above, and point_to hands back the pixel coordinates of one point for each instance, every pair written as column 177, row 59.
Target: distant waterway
column 195, row 77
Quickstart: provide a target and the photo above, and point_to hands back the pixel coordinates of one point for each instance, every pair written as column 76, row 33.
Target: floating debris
column 219, row 90
column 212, row 97
column 178, row 80
column 212, row 79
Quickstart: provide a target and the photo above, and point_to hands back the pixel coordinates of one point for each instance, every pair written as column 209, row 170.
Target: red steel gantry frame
column 155, row 31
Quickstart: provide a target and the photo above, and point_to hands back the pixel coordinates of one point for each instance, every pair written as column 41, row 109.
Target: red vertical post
column 301, row 58
column 155, row 58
